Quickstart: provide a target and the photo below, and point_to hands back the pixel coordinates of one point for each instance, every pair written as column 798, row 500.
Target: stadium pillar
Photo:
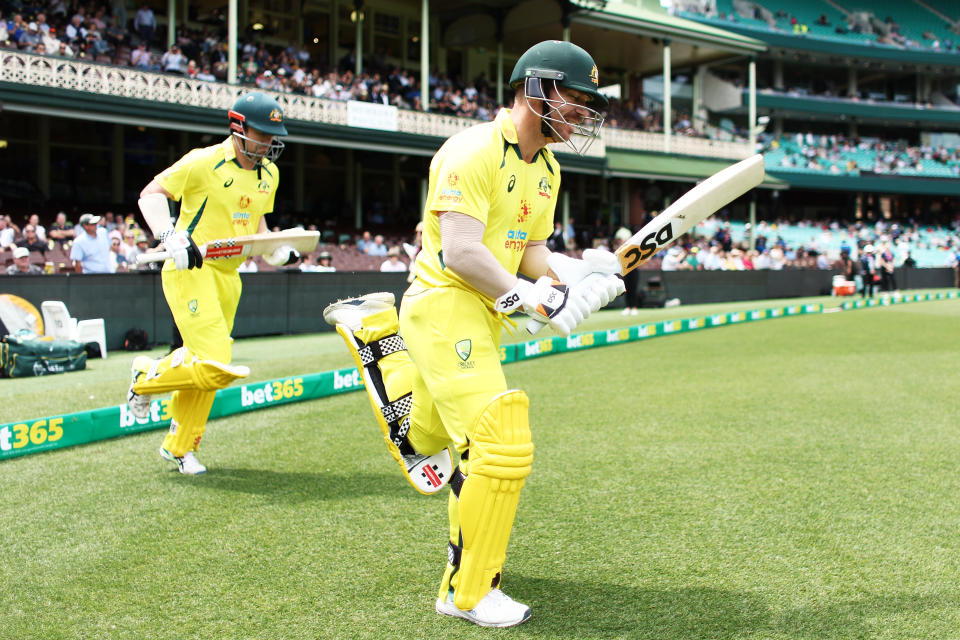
column 395, row 201
column 500, row 17
column 753, row 219
column 232, row 41
column 667, row 98
column 852, row 82
column 43, row 154
column 358, row 15
column 565, row 209
column 424, row 185
column 116, row 164
column 171, row 23
column 778, row 74
column 425, row 55
column 752, row 108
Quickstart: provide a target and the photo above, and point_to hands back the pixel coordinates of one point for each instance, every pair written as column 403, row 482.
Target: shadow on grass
column 296, row 487
column 572, row 609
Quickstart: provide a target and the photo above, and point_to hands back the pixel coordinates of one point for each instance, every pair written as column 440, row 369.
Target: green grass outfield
column 790, row 478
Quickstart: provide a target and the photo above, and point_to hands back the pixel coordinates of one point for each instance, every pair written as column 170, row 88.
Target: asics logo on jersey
column 513, row 181
column 228, row 182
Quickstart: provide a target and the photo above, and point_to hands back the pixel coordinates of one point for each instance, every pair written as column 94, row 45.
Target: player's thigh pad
column 455, row 342
column 500, row 459
column 203, row 303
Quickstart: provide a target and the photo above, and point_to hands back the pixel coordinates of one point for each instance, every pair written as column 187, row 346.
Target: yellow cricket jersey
column 219, row 198
column 480, row 172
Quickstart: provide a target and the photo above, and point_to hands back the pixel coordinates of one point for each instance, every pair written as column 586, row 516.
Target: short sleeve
column 462, row 184
column 174, row 178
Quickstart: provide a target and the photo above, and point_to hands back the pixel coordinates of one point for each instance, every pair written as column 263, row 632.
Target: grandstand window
column 413, row 40
column 386, row 35
column 347, row 32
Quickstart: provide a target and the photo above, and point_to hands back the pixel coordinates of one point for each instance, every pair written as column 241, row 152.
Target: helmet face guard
column 239, row 130
column 583, row 133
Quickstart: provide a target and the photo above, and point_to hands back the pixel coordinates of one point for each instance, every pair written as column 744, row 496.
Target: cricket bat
column 258, row 244
column 688, row 211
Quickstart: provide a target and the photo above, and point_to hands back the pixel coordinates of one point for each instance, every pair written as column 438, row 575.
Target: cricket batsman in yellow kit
column 224, row 191
column 433, row 373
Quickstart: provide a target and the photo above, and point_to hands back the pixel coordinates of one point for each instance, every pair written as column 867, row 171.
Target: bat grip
column 156, row 256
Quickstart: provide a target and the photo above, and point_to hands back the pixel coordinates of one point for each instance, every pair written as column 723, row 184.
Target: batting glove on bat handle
column 548, row 301
column 282, row 256
column 182, row 249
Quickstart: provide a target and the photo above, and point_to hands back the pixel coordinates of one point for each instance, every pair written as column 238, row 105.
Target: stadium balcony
column 784, row 103
column 126, row 95
column 916, row 32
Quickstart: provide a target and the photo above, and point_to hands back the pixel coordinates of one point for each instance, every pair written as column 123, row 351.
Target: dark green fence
column 293, row 302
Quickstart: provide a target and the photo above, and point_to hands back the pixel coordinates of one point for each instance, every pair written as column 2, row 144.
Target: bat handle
column 156, row 256
column 534, row 326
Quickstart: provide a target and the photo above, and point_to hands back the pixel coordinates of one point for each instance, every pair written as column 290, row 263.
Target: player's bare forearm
column 461, row 238
column 262, row 227
column 533, row 264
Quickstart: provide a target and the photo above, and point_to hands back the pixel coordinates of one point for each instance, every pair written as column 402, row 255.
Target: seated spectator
column 30, row 38
column 206, row 75
column 377, row 248
column 140, row 57
column 115, row 36
column 393, row 264
column 61, row 231
column 4, row 34
column 173, row 61
column 8, row 232
column 31, row 240
column 21, row 264
column 363, row 242
column 63, row 50
column 118, row 262
column 16, row 27
column 91, row 248
column 322, row 263
column 75, row 33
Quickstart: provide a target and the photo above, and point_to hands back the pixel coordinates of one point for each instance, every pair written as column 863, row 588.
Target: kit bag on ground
column 24, row 356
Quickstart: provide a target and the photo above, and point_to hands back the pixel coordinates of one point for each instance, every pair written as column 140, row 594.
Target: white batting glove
column 599, row 289
column 282, row 256
column 547, row 301
column 182, row 248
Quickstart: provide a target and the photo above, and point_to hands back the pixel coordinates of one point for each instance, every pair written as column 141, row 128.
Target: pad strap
column 374, row 351
column 456, row 483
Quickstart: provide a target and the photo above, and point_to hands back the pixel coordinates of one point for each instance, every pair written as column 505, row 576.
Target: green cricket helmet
column 565, row 65
column 262, row 113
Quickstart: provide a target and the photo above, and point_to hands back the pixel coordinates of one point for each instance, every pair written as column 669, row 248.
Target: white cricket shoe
column 187, row 464
column 496, row 609
column 139, row 404
column 352, row 311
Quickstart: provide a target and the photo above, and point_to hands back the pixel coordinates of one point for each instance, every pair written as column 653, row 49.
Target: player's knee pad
column 387, row 371
column 499, row 461
column 181, row 370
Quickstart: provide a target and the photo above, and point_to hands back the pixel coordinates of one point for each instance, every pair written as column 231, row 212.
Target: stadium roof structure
column 638, row 20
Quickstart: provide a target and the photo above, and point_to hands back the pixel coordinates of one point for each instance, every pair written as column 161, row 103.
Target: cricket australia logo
column 544, row 188
column 192, row 305
column 464, row 348
column 263, row 187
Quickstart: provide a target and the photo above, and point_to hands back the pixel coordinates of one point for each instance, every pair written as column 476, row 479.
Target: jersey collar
column 505, row 124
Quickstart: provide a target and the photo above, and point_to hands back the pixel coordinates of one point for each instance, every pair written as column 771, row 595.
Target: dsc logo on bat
column 650, row 244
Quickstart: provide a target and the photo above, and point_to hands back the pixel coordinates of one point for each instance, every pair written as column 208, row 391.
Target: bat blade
column 689, row 210
column 252, row 245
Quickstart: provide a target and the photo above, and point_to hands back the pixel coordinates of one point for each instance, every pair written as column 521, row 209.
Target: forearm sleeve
column 461, row 238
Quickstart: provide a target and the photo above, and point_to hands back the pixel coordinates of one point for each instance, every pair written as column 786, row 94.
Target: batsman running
column 224, row 191
column 433, row 374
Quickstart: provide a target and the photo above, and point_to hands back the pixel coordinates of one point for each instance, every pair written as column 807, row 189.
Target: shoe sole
column 449, row 609
column 383, row 298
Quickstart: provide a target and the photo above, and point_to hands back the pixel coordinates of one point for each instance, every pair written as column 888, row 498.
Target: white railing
column 129, row 82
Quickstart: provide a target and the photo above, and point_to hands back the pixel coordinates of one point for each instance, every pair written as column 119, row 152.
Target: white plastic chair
column 58, row 324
